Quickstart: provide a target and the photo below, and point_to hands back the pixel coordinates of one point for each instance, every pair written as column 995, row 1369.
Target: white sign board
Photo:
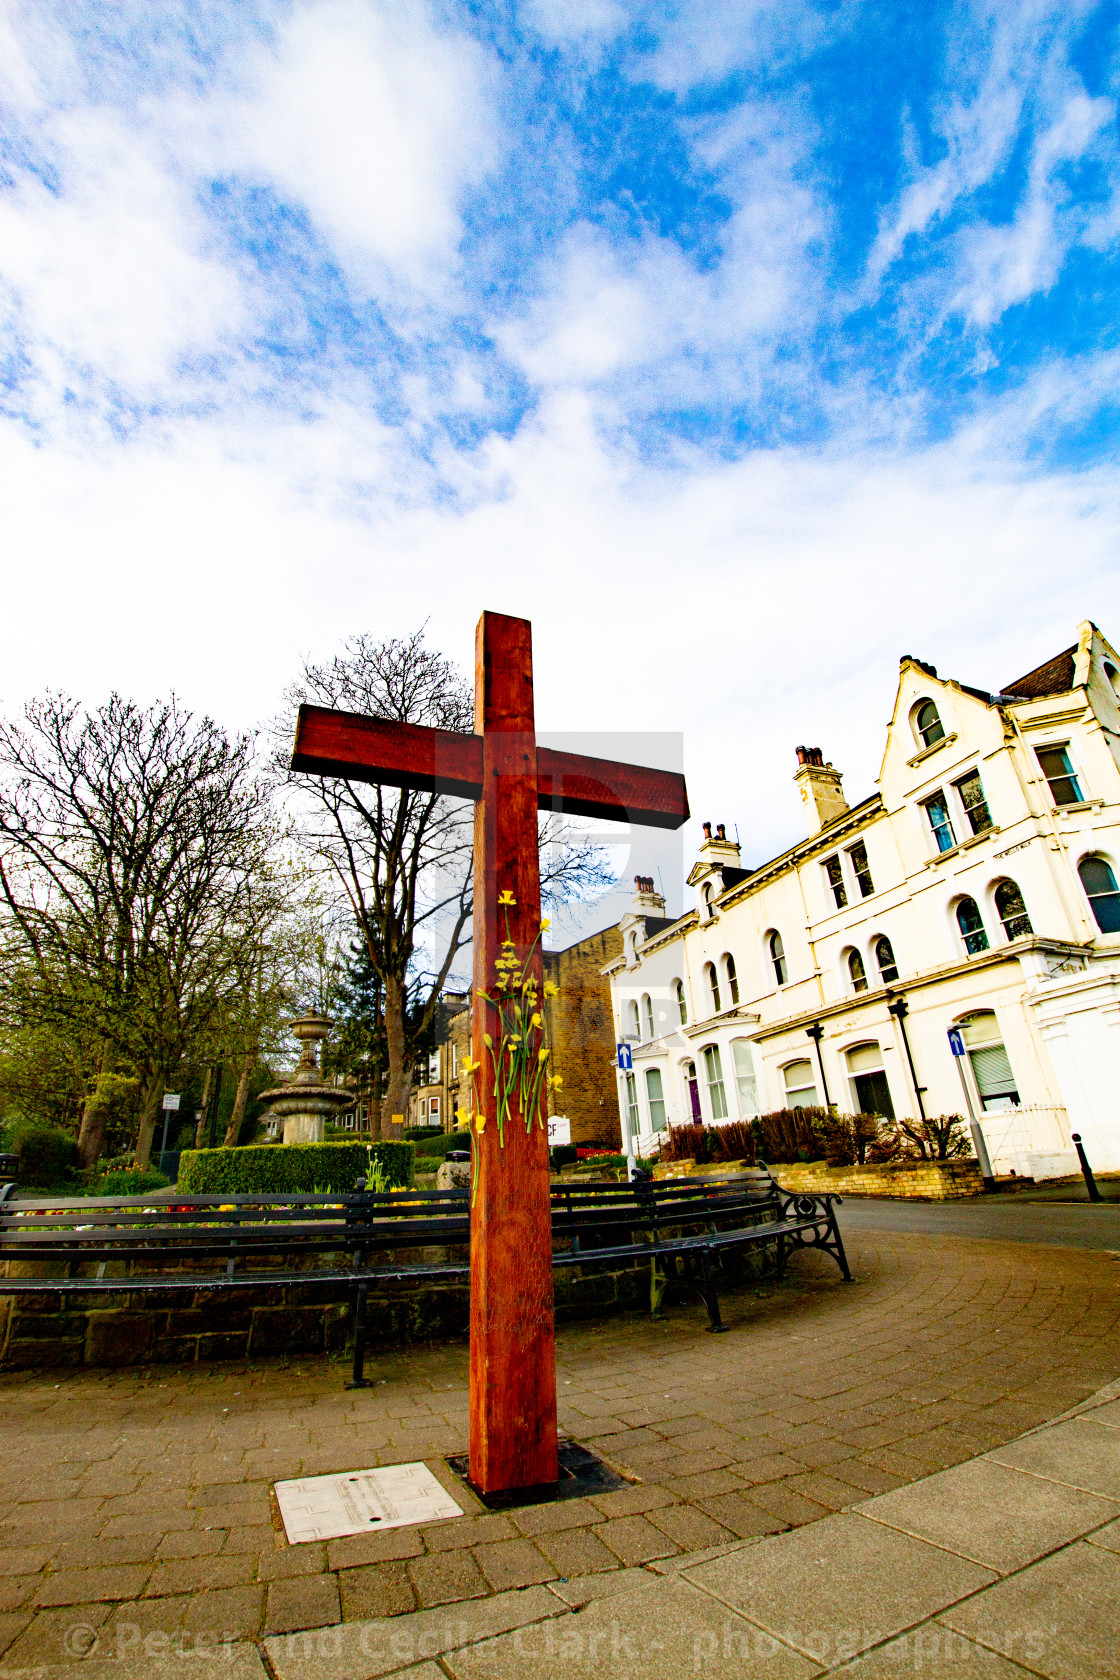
column 171, row 1100
column 360, row 1501
column 559, row 1129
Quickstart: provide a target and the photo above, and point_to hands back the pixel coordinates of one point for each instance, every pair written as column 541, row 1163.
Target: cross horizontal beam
column 409, row 755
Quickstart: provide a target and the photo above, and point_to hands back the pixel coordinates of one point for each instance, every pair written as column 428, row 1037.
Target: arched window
column 1100, row 889
column 857, row 972
column 1011, row 910
column 655, row 1097
column 682, row 1004
column 712, row 978
column 884, row 956
column 746, row 1083
column 633, row 1022
column 928, row 724
column 709, row 894
column 971, row 925
column 647, row 1011
column 713, row 1073
column 778, row 958
column 801, row 1086
column 1113, row 676
column 732, row 977
column 990, row 1065
column 871, row 1094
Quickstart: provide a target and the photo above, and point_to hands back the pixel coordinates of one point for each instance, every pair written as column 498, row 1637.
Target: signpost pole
column 170, row 1107
column 625, row 1064
column 979, row 1143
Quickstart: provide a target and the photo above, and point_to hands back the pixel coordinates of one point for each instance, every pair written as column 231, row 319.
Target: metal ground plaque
column 360, row 1501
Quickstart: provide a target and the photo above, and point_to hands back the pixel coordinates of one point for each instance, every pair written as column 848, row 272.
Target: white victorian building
column 976, row 889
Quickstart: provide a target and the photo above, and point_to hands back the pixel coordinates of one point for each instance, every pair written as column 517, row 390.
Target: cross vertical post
column 513, row 1363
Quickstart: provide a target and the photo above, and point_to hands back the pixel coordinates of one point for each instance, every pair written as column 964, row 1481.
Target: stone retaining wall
column 203, row 1325
column 923, row 1181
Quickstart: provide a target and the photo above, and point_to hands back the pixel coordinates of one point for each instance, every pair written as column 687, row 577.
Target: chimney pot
column 707, row 831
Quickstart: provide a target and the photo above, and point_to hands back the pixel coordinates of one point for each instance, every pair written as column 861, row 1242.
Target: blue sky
column 744, row 346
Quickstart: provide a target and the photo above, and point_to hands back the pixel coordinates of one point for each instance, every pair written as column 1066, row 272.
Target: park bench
column 220, row 1242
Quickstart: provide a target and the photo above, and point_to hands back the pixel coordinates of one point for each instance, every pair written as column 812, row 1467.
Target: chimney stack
column 646, row 896
column 822, row 788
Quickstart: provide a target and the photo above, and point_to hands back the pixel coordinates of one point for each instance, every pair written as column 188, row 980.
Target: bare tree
column 129, row 838
column 403, row 859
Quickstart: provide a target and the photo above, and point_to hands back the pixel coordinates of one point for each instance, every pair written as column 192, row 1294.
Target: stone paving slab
column 661, row 1632
column 1082, row 1454
column 839, row 1586
column 995, row 1515
column 1060, row 1617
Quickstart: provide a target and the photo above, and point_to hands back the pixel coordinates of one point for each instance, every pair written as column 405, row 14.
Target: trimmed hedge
column 273, row 1168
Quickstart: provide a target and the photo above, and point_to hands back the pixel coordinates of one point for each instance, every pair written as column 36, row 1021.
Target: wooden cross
column 500, row 766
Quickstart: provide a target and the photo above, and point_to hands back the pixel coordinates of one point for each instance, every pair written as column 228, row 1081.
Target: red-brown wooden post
column 513, row 1359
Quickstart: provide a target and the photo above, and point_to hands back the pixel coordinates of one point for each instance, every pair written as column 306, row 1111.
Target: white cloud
column 108, row 272
column 373, row 119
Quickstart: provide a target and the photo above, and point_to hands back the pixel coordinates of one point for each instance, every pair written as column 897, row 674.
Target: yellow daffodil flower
column 551, row 989
column 545, row 925
column 535, row 1021
column 506, row 897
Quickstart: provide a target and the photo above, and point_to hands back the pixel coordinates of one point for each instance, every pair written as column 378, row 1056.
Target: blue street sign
column 625, row 1059
column 956, row 1041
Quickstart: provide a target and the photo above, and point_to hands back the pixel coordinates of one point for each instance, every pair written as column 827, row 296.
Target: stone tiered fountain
column 305, row 1103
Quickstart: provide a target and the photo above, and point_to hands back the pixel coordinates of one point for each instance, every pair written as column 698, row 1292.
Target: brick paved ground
column 142, row 1500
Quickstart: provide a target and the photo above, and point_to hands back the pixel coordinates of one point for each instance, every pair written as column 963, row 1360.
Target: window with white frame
column 1057, row 767
column 801, row 1085
column 682, row 1001
column 856, row 972
column 971, row 924
column 746, row 1080
column 778, row 957
column 633, row 1020
column 1011, row 910
column 713, row 1073
column 971, row 793
column 712, row 980
column 834, row 875
column 937, row 813
column 861, row 869
column 991, row 1066
column 928, row 724
column 433, row 1068
column 708, row 895
column 884, row 957
column 655, row 1098
column 433, row 1111
column 1100, row 889
column 871, row 1094
column 731, row 976
column 647, row 1011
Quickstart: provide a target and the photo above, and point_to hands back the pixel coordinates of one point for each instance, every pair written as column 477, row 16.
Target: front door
column 693, row 1090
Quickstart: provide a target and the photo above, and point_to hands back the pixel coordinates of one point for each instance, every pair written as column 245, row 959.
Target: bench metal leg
column 358, row 1378
column 783, row 1255
column 711, row 1299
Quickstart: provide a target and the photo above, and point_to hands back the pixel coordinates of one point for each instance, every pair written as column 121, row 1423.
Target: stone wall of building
column 579, row 1026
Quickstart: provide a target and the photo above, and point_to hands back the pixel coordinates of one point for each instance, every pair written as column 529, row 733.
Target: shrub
column 734, row 1142
column 273, row 1168
column 791, row 1134
column 688, row 1143
column 561, row 1155
column 939, row 1138
column 47, row 1156
column 131, row 1183
column 436, row 1148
